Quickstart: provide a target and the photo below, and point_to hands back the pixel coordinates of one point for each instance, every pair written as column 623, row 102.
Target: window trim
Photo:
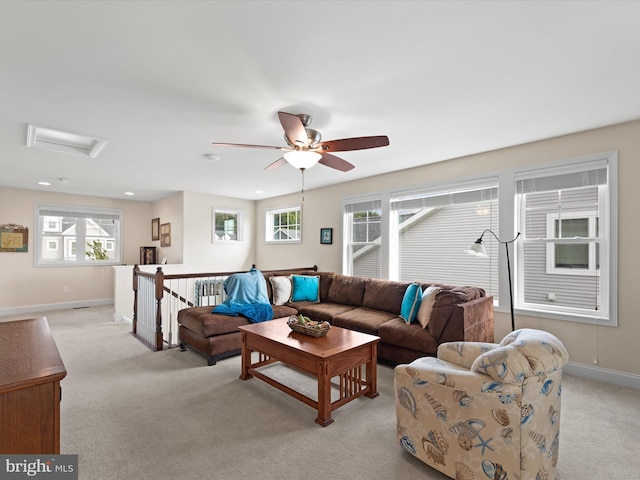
column 508, row 228
column 240, row 225
column 268, row 217
column 608, row 236
column 368, row 202
column 69, row 244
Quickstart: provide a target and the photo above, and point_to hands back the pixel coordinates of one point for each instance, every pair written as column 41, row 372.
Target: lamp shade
column 477, row 249
column 302, row 159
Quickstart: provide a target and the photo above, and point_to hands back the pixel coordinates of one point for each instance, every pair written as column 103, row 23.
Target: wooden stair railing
column 153, row 328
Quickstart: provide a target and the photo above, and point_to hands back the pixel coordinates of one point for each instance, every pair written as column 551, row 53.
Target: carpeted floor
column 135, row 414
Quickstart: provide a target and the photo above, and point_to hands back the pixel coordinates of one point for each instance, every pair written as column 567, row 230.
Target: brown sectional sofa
column 460, row 313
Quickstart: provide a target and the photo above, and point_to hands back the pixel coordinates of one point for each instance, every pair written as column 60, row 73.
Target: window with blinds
column 363, row 238
column 564, row 254
column 70, row 235
column 431, row 230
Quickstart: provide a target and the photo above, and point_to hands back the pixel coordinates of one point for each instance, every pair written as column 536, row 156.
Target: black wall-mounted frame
column 326, row 236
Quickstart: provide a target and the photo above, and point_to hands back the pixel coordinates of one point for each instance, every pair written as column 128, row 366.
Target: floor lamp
column 478, row 250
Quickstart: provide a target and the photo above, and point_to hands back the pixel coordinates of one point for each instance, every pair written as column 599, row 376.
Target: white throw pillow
column 281, row 289
column 428, row 299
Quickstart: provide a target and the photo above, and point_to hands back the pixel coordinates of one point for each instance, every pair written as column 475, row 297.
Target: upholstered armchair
column 485, row 410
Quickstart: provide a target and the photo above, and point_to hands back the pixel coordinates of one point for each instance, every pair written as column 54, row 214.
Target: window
column 227, row 225
column 63, row 233
column 575, row 258
column 284, row 225
column 363, row 237
column 564, row 264
column 565, row 257
column 431, row 229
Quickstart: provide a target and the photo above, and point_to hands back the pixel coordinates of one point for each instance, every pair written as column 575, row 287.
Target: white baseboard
column 120, row 318
column 614, row 377
column 45, row 307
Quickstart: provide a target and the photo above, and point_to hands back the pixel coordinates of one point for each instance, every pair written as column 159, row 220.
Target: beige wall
column 614, row 348
column 170, row 210
column 23, row 285
column 320, row 209
column 200, row 253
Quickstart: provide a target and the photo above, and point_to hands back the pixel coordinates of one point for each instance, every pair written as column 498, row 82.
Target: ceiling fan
column 305, row 147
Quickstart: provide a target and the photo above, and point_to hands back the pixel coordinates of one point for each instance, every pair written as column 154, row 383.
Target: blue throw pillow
column 411, row 302
column 305, row 287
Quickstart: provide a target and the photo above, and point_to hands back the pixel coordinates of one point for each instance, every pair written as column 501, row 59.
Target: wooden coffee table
column 340, row 353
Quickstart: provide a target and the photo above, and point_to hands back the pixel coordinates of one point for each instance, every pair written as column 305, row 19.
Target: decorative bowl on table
column 302, row 324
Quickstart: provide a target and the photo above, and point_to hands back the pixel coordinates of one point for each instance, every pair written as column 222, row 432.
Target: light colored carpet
column 135, row 414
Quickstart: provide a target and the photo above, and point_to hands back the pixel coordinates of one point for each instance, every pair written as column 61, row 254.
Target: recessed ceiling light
column 212, row 156
column 63, row 180
column 259, row 191
column 129, row 193
column 46, row 184
column 67, row 142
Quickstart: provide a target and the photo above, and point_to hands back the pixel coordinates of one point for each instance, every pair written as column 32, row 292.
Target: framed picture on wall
column 326, row 236
column 155, row 229
column 165, row 235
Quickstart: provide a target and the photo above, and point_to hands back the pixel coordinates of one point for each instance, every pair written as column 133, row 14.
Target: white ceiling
column 162, row 80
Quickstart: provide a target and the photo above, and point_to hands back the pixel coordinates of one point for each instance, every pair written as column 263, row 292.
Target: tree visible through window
column 227, row 225
column 65, row 234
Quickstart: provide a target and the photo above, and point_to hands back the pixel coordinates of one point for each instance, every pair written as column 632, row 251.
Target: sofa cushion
column 347, row 290
column 280, row 311
column 281, row 288
column 305, row 288
column 321, row 312
column 281, row 273
column 363, row 319
column 426, row 305
column 326, row 279
column 201, row 321
column 396, row 332
column 385, row 295
column 411, row 302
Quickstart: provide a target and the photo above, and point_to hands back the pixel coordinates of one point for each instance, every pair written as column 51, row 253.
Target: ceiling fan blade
column 293, row 128
column 335, row 162
column 278, row 163
column 246, row 145
column 356, row 143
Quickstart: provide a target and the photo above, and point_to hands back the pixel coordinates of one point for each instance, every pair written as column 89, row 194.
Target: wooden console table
column 30, row 373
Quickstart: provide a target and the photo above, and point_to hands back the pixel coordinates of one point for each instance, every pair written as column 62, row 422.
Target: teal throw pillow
column 411, row 302
column 305, row 288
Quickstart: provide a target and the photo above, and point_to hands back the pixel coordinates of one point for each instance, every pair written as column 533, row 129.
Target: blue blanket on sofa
column 246, row 295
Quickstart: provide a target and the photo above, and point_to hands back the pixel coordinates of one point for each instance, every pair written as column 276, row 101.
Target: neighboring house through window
column 363, row 237
column 567, row 257
column 63, row 231
column 284, row 225
column 564, row 263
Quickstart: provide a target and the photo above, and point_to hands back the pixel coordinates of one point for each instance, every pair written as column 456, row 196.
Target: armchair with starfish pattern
column 484, row 410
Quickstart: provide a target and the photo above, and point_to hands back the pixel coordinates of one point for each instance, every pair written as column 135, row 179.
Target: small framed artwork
column 165, row 235
column 326, row 236
column 155, row 229
column 14, row 238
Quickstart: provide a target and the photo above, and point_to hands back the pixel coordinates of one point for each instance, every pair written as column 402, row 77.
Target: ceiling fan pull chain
column 302, row 191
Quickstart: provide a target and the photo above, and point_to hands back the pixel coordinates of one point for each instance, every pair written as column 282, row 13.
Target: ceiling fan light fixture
column 302, row 158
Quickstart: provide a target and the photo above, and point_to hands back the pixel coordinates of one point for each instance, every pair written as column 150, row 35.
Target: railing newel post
column 136, row 269
column 159, row 294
